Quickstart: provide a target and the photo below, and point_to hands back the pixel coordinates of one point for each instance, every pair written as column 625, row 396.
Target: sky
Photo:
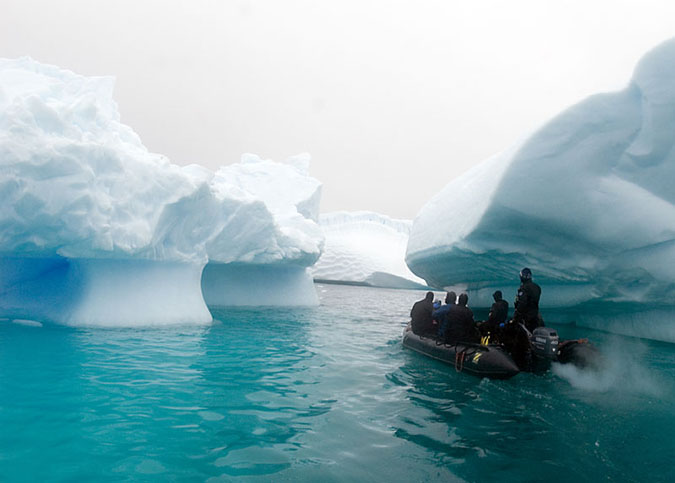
column 393, row 99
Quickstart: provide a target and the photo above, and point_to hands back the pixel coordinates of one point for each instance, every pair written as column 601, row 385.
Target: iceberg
column 96, row 230
column 586, row 202
column 271, row 264
column 365, row 248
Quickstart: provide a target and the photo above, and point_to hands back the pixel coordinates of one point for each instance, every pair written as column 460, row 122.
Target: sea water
column 321, row 394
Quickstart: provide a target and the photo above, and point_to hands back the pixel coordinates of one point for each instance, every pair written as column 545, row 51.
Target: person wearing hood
column 422, row 322
column 440, row 315
column 460, row 324
column 499, row 314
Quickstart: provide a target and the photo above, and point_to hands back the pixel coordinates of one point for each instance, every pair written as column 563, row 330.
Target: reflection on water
column 314, row 394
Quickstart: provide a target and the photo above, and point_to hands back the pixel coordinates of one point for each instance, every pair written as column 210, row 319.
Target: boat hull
column 479, row 360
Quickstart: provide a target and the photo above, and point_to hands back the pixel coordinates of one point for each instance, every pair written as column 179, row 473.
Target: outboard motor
column 545, row 343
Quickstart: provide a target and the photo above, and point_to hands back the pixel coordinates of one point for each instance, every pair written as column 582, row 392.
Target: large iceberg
column 94, row 229
column 365, row 248
column 587, row 202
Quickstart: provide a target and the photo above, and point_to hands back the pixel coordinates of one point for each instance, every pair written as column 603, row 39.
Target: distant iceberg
column 96, row 230
column 587, row 202
column 365, row 248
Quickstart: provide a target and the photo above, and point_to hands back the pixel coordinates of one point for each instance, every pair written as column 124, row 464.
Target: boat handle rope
column 459, row 360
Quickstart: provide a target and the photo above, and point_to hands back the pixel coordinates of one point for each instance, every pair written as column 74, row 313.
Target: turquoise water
column 324, row 394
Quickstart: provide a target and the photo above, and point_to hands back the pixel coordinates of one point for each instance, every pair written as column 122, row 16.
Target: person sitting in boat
column 441, row 315
column 422, row 322
column 460, row 324
column 499, row 313
column 527, row 302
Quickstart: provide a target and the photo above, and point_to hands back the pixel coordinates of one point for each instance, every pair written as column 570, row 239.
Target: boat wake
column 622, row 370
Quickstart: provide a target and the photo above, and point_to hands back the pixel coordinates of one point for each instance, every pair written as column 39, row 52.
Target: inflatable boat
column 492, row 360
column 479, row 360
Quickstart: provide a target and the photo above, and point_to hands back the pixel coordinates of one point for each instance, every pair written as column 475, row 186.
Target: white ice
column 365, row 248
column 96, row 230
column 587, row 202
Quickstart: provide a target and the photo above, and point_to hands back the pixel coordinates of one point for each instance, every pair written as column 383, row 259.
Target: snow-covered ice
column 587, row 202
column 95, row 229
column 270, row 264
column 366, row 248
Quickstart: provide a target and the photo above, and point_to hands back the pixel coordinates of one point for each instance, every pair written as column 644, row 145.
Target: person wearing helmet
column 527, row 302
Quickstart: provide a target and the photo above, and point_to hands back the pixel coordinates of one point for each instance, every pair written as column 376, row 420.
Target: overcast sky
column 391, row 98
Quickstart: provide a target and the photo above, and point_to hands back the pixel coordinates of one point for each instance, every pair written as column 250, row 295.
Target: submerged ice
column 365, row 248
column 586, row 202
column 95, row 229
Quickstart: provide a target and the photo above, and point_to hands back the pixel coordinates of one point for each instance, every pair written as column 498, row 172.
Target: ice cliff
column 365, row 248
column 587, row 202
column 96, row 230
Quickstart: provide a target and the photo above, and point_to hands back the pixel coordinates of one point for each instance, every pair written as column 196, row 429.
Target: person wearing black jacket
column 422, row 322
column 527, row 302
column 499, row 313
column 460, row 324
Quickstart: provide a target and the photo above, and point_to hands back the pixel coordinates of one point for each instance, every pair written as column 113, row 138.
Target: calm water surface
column 324, row 394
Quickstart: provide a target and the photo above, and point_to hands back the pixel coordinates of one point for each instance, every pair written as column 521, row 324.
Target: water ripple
column 325, row 394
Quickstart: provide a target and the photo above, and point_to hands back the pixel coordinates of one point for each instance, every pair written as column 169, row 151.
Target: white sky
column 393, row 99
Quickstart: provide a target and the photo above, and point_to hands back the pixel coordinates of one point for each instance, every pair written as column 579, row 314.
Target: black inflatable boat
column 495, row 362
column 480, row 360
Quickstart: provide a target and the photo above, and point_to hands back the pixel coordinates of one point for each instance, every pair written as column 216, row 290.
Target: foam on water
column 621, row 372
column 27, row 323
